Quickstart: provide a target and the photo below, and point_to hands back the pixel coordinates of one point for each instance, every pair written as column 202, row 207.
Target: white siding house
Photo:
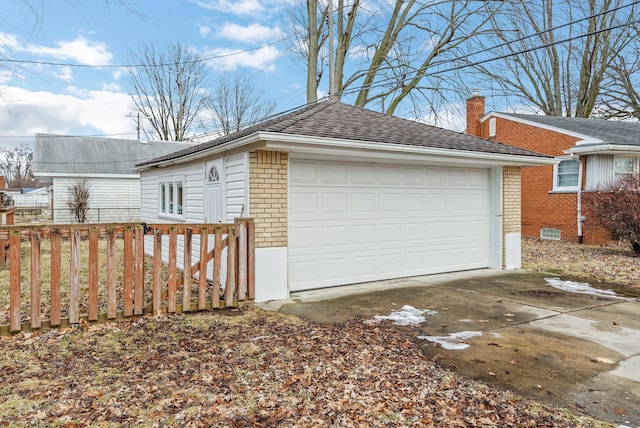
column 340, row 194
column 106, row 164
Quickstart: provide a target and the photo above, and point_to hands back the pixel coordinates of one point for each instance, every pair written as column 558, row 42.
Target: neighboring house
column 588, row 153
column 26, row 197
column 108, row 166
column 343, row 195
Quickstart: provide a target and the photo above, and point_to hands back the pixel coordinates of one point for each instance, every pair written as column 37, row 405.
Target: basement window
column 550, row 234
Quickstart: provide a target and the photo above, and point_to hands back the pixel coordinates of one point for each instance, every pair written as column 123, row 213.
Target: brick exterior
column 540, row 207
column 511, row 203
column 268, row 192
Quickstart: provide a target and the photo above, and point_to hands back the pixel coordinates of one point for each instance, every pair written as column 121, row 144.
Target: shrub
column 616, row 208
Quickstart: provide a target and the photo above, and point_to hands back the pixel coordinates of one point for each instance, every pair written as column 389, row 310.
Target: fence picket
column 15, row 302
column 36, row 294
column 138, row 296
column 128, row 272
column 173, row 249
column 186, row 272
column 230, row 289
column 111, row 273
column 55, row 278
column 217, row 256
column 202, row 280
column 74, row 278
column 157, row 265
column 242, row 259
column 93, row 273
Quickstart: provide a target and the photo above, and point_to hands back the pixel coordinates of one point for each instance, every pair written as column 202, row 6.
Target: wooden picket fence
column 181, row 290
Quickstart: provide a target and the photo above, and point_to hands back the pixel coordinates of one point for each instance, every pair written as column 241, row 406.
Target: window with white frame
column 171, row 199
column 492, row 127
column 566, row 175
column 623, row 167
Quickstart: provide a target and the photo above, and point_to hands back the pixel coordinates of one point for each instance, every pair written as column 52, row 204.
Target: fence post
column 232, row 273
column 242, row 258
column 15, row 322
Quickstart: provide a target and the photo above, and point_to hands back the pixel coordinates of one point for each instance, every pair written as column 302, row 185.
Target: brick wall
column 268, row 191
column 511, row 197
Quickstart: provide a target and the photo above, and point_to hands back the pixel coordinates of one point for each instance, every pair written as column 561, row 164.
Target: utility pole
column 332, row 83
column 138, row 123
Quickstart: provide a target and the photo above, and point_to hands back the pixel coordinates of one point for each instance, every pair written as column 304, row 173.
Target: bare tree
column 15, row 165
column 237, row 103
column 621, row 96
column 169, row 89
column 560, row 69
column 616, row 208
column 79, row 193
column 386, row 52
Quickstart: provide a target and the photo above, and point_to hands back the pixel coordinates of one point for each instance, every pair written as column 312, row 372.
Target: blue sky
column 41, row 98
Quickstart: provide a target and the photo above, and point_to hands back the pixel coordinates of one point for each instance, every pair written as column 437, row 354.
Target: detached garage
column 343, row 195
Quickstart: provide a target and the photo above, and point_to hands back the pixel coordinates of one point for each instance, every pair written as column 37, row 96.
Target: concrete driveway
column 544, row 337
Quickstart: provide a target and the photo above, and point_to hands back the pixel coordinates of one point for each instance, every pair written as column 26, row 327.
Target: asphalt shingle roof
column 94, row 155
column 340, row 121
column 609, row 131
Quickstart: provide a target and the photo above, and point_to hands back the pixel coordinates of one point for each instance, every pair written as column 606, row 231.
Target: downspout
column 580, row 218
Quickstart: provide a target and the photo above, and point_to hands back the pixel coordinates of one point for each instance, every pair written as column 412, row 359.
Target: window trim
column 492, row 127
column 170, row 194
column 636, row 162
column 556, row 176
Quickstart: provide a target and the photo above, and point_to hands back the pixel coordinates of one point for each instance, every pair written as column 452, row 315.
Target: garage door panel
column 357, row 222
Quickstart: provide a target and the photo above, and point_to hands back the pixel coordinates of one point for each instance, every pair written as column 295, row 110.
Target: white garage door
column 352, row 222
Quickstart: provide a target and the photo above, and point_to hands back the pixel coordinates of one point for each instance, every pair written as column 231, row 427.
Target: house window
column 566, row 175
column 624, row 167
column 171, row 198
column 213, row 176
column 492, row 127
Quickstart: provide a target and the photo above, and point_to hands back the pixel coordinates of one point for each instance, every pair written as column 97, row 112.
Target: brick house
column 587, row 152
column 344, row 195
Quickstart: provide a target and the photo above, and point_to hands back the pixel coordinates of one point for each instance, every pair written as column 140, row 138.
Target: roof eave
column 595, row 149
column 585, row 139
column 318, row 145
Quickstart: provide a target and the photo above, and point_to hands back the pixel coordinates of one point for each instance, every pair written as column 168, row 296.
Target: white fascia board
column 304, row 146
column 603, row 149
column 84, row 175
column 583, row 139
column 224, row 147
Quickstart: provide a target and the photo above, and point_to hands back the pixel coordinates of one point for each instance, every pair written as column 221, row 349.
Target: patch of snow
column 454, row 341
column 407, row 315
column 580, row 288
column 465, row 320
column 496, row 335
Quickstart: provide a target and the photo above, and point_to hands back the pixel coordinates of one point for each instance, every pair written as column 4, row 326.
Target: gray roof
column 609, row 131
column 336, row 120
column 55, row 154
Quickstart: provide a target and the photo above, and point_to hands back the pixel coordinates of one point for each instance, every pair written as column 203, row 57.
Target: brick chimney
column 475, row 110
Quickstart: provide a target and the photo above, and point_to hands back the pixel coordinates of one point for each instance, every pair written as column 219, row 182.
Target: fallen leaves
column 252, row 368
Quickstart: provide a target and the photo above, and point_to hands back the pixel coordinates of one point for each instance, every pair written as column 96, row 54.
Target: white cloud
column 100, row 112
column 65, row 74
column 229, row 59
column 240, row 7
column 251, row 33
column 80, row 50
column 204, row 30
